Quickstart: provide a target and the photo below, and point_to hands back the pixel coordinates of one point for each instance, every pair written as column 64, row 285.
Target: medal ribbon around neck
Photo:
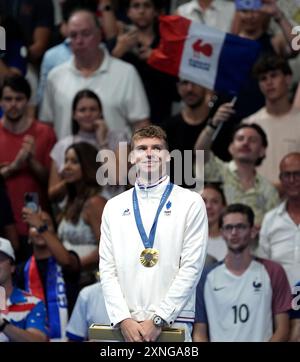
column 149, row 256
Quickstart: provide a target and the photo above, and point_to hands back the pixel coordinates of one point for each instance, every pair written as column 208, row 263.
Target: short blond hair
column 149, row 132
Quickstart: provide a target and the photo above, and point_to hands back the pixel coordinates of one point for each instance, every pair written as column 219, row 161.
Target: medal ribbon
column 149, row 241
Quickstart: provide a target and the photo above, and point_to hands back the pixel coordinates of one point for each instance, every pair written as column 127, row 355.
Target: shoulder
column 58, row 71
column 44, row 131
column 261, row 113
column 116, row 63
column 90, row 292
column 273, row 268
column 188, row 199
column 270, row 215
column 95, row 202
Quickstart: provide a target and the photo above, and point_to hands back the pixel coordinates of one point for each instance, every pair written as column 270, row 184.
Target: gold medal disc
column 149, row 257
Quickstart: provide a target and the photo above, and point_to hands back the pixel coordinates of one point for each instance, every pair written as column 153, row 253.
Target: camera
column 248, row 4
column 31, row 201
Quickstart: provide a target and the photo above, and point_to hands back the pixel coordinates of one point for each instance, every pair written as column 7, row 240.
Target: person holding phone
column 51, row 272
column 25, row 146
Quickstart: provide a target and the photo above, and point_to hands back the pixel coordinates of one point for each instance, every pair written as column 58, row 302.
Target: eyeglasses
column 238, row 227
column 286, row 175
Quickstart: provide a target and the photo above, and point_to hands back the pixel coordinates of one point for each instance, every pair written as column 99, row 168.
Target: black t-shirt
column 71, row 280
column 182, row 136
column 160, row 87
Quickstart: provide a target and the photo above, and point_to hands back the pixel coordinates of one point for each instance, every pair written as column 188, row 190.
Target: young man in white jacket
column 153, row 246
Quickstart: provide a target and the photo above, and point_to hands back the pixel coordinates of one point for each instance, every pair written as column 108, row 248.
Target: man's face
column 237, row 232
column 290, row 176
column 142, row 13
column 247, row 146
column 14, row 104
column 6, row 269
column 37, row 239
column 150, row 157
column 84, row 34
column 193, row 95
column 252, row 20
column 274, row 85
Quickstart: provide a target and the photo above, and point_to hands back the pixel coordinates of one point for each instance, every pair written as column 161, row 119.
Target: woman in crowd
column 80, row 219
column 215, row 203
column 87, row 126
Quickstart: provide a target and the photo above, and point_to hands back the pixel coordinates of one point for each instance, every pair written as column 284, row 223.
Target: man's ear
column 254, row 232
column 132, row 157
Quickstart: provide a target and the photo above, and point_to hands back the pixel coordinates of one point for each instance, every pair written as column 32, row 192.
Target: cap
column 6, row 248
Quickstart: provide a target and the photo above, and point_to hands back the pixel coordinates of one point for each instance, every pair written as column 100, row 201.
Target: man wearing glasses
column 242, row 298
column 280, row 233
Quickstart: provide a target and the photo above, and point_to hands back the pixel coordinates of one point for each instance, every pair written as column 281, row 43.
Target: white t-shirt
column 89, row 308
column 117, row 84
column 219, row 15
column 241, row 308
column 217, row 247
column 283, row 134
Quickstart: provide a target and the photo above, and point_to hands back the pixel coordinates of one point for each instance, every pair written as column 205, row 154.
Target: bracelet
column 4, row 324
column 211, row 125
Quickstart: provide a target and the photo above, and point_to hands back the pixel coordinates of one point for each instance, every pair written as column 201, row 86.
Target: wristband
column 211, row 125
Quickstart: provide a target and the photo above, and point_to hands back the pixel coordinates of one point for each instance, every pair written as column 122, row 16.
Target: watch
column 4, row 324
column 158, row 321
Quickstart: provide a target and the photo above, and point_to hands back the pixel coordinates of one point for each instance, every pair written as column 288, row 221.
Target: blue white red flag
column 204, row 55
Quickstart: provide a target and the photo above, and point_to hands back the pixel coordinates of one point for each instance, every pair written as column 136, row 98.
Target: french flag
column 203, row 55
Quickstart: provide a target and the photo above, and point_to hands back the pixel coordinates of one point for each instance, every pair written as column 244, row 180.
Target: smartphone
column 248, row 4
column 31, row 201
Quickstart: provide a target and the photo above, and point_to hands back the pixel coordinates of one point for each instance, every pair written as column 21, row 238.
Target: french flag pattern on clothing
column 203, row 55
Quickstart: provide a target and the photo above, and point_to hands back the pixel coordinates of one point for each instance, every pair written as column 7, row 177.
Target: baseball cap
column 6, row 248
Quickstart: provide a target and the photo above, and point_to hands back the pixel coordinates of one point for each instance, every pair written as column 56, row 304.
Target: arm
column 281, row 328
column 200, row 332
column 295, row 330
column 41, row 39
column 264, row 247
column 192, row 260
column 205, row 138
column 56, row 248
column 282, row 42
column 34, row 329
column 57, row 185
column 125, row 42
column 16, row 334
column 92, row 215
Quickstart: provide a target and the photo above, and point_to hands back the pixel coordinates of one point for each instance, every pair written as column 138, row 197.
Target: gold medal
column 149, row 257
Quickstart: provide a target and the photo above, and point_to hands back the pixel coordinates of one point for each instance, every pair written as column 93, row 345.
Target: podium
column 100, row 332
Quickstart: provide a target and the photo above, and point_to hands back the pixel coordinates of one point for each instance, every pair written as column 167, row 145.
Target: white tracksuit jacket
column 168, row 288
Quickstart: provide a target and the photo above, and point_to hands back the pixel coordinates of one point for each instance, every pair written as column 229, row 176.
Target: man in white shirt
column 242, row 299
column 215, row 13
column 280, row 232
column 149, row 281
column 278, row 118
column 117, row 83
